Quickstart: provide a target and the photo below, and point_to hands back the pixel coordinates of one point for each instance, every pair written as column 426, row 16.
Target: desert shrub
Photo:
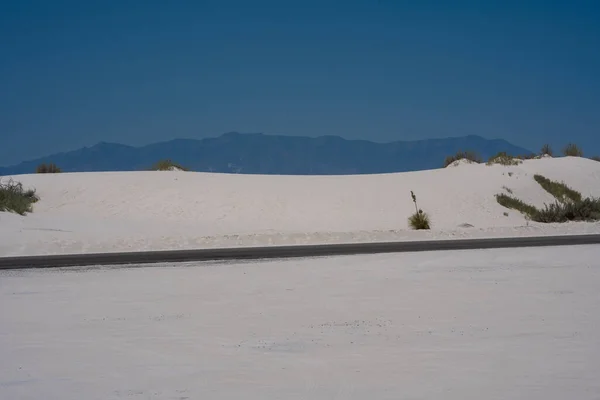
column 419, row 220
column 14, row 198
column 503, row 159
column 469, row 155
column 50, row 168
column 516, row 204
column 167, row 165
column 572, row 150
column 546, row 149
column 568, row 206
column 559, row 190
column 585, row 210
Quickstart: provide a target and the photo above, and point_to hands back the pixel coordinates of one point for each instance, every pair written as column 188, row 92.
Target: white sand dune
column 126, row 211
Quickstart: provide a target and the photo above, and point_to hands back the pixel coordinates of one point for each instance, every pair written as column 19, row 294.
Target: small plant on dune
column 546, row 150
column 559, row 190
column 572, row 150
column 167, row 165
column 50, row 168
column 467, row 155
column 14, row 198
column 503, row 159
column 419, row 220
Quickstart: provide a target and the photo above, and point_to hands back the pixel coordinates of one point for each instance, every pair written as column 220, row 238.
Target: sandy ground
column 495, row 324
column 129, row 211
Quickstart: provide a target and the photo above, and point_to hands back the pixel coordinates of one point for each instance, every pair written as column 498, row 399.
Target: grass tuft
column 14, row 198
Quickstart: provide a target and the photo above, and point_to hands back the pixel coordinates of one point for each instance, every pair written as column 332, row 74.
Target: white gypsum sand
column 493, row 324
column 160, row 210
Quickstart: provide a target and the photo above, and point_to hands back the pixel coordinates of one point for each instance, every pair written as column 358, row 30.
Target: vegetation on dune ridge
column 572, row 150
column 167, row 165
column 468, row 155
column 546, row 150
column 50, row 168
column 419, row 220
column 14, row 198
column 504, row 159
column 568, row 206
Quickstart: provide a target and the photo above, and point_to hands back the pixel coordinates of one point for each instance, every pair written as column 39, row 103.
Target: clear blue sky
column 73, row 73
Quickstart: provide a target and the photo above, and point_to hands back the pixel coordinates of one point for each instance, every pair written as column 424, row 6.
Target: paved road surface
column 254, row 253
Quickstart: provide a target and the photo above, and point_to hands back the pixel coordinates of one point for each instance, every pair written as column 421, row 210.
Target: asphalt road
column 271, row 252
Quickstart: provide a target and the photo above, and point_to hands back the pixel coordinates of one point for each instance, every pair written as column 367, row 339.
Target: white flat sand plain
column 493, row 324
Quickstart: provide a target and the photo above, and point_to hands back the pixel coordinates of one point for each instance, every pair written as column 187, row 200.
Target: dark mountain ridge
column 271, row 154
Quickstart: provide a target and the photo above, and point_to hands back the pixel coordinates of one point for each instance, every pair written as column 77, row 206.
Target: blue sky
column 73, row 73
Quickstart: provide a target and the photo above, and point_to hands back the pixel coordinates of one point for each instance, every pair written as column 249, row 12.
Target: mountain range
column 258, row 153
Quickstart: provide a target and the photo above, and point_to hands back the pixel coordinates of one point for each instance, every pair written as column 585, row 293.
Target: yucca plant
column 419, row 220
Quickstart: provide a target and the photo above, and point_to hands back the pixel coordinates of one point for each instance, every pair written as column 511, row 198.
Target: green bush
column 14, row 198
column 585, row 210
column 50, row 168
column 572, row 150
column 503, row 159
column 166, row 165
column 469, row 155
column 559, row 190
